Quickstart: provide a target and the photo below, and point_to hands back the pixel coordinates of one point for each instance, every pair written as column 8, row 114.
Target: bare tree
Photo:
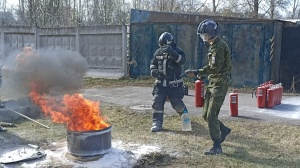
column 250, row 8
column 272, row 7
column 293, row 84
column 5, row 15
column 255, row 9
column 215, row 6
column 295, row 7
column 57, row 13
column 122, row 12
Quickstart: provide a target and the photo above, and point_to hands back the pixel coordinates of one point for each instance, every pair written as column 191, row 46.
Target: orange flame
column 78, row 113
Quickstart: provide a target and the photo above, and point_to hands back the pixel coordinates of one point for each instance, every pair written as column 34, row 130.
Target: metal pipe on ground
column 26, row 117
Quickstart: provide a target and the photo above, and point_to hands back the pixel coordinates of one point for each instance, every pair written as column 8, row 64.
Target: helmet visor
column 205, row 37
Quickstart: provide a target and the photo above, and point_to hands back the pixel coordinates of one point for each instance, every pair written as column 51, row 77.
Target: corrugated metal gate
column 290, row 61
column 104, row 47
column 250, row 41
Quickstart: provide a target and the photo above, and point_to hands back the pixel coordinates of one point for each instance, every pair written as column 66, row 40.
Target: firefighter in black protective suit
column 166, row 68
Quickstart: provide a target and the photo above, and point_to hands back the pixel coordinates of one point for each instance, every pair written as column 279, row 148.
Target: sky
column 12, row 2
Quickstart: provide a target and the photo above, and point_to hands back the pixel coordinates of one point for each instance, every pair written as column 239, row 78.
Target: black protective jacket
column 169, row 67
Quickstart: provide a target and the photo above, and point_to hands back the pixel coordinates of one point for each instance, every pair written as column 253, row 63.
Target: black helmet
column 166, row 39
column 208, row 29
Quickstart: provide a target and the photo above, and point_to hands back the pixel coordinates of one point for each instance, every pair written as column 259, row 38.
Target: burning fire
column 78, row 113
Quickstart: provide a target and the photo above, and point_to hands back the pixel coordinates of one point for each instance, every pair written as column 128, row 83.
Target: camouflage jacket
column 219, row 63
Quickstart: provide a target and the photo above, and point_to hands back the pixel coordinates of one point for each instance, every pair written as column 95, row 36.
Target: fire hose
column 26, row 117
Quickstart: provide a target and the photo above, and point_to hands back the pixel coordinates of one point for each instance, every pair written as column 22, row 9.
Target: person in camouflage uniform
column 218, row 70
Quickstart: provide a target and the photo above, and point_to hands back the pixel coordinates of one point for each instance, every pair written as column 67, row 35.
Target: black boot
column 224, row 131
column 157, row 122
column 181, row 112
column 2, row 129
column 216, row 149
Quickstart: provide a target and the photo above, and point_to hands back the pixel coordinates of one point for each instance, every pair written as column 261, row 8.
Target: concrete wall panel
column 104, row 47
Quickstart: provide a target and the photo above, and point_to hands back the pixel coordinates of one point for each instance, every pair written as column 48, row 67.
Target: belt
column 174, row 82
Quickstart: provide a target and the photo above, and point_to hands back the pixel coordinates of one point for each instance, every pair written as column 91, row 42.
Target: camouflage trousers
column 214, row 98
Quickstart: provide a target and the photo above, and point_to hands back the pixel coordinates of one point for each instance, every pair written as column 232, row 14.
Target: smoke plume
column 46, row 68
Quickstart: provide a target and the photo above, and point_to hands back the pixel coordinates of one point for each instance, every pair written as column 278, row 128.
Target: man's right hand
column 191, row 73
column 154, row 73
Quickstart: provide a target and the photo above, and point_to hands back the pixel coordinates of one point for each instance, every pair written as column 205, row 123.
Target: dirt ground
column 138, row 99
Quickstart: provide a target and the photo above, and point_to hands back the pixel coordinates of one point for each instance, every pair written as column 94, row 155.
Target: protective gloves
column 192, row 73
column 154, row 73
column 173, row 54
column 201, row 71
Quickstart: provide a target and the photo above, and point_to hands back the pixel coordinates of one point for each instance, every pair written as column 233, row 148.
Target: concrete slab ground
column 140, row 99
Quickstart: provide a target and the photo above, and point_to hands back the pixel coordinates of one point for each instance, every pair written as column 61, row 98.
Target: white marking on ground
column 289, row 108
column 120, row 155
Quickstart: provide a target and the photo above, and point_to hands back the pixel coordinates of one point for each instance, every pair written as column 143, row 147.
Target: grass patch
column 251, row 143
column 154, row 159
column 145, row 81
column 125, row 81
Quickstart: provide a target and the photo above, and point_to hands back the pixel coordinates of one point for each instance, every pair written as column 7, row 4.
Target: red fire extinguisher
column 199, row 93
column 233, row 103
column 270, row 97
column 280, row 92
column 276, row 97
column 261, row 93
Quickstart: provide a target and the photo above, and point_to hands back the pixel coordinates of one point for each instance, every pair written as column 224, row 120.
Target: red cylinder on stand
column 233, row 103
column 199, row 93
column 261, row 93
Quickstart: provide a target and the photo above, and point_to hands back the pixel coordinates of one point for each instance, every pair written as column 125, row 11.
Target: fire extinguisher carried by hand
column 233, row 103
column 199, row 93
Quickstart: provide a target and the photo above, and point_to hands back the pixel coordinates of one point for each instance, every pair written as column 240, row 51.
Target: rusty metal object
column 89, row 143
